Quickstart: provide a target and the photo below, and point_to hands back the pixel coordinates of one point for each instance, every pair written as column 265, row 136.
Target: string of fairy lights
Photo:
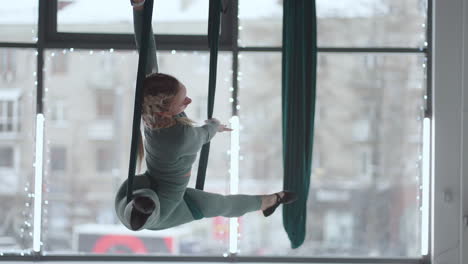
column 425, row 156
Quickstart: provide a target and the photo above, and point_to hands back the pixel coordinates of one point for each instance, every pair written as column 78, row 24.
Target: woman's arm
column 196, row 137
column 152, row 60
column 152, row 63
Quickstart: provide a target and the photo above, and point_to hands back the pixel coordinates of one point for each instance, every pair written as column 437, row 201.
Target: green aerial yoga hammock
column 298, row 104
column 143, row 52
column 214, row 20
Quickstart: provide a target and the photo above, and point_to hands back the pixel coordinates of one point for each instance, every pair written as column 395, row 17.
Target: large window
column 97, row 136
column 366, row 192
column 366, row 152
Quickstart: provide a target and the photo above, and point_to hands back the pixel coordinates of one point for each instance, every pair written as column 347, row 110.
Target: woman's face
column 180, row 101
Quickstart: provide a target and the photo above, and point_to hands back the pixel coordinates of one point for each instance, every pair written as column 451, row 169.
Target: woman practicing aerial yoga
column 161, row 198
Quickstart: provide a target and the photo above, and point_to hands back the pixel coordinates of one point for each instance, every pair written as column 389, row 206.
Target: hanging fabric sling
column 142, row 62
column 214, row 20
column 299, row 64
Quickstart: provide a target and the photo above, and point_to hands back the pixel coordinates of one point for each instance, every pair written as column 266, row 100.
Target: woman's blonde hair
column 159, row 90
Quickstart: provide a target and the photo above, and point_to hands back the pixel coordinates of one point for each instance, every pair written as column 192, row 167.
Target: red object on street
column 107, row 242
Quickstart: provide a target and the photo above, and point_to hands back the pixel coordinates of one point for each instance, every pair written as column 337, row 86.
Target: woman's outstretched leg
column 213, row 204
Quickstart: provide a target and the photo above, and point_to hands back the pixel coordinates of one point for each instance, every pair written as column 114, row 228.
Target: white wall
column 450, row 124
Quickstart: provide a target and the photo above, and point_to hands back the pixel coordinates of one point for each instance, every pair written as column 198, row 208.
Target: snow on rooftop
column 113, row 11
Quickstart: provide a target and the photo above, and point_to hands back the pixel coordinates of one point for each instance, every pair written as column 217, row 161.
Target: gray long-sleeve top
column 170, row 152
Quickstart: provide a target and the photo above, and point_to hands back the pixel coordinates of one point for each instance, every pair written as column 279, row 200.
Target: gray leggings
column 174, row 210
column 211, row 205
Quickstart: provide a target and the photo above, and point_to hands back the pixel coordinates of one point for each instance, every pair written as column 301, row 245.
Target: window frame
column 49, row 38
